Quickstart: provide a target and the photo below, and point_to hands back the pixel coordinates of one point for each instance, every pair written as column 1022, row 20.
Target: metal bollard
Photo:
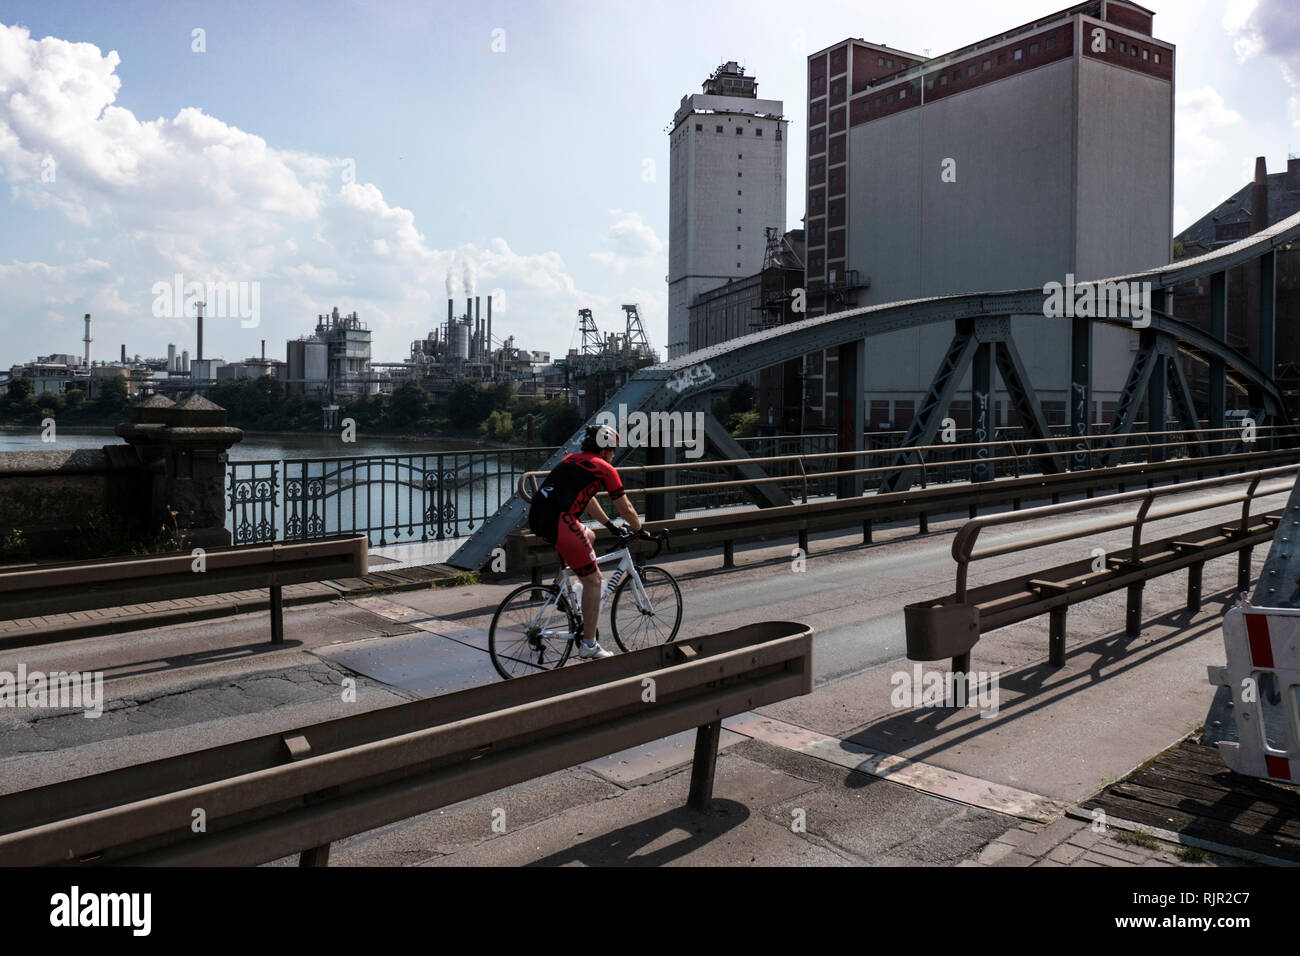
column 1133, row 613
column 1056, row 635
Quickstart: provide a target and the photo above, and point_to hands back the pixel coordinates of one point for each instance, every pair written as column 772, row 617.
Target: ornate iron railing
column 393, row 499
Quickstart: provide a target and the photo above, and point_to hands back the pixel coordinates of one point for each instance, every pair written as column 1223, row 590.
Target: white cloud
column 195, row 195
column 632, row 241
column 1268, row 27
column 1201, row 122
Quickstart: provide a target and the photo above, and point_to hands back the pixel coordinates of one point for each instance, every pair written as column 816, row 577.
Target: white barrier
column 1263, row 673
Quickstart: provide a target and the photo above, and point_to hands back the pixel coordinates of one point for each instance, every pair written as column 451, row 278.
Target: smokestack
column 489, row 330
column 263, row 350
column 87, row 340
column 478, row 328
column 199, row 355
column 185, row 361
column 1259, row 197
column 171, row 357
column 123, row 353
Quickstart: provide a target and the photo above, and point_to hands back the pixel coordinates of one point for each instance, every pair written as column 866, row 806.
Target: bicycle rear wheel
column 636, row 626
column 524, row 636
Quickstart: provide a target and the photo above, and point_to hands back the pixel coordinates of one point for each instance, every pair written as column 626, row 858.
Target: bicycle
column 536, row 625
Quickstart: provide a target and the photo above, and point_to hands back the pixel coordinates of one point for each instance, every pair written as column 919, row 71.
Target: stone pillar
column 184, row 448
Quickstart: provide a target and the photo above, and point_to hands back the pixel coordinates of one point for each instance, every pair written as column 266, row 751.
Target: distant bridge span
column 982, row 341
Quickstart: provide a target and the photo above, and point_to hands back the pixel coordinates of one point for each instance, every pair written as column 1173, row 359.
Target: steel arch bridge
column 982, row 342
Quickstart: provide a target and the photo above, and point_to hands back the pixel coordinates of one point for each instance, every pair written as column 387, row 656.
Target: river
column 253, row 446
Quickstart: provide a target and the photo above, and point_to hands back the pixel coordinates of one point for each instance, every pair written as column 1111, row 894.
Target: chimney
column 171, row 357
column 199, row 355
column 1293, row 173
column 1259, row 197
column 185, row 361
column 87, row 340
column 123, row 353
column 263, row 350
column 478, row 329
column 489, row 330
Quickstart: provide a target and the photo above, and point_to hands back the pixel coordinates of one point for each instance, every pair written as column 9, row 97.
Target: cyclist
column 556, row 512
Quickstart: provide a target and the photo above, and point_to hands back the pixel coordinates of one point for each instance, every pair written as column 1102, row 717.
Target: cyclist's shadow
column 620, row 847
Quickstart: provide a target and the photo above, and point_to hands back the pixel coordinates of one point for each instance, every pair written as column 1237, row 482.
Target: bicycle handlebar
column 627, row 536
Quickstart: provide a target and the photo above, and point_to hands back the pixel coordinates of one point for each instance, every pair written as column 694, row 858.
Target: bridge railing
column 950, row 626
column 815, row 475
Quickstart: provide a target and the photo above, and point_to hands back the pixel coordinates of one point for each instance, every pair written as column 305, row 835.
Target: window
column 1002, row 58
column 759, row 131
column 1110, row 43
column 737, row 265
column 902, row 94
column 738, row 173
column 699, row 127
column 970, row 70
column 987, row 65
column 943, row 80
column 1033, row 49
column 880, row 61
column 1123, row 47
column 1018, row 54
column 1133, row 49
column 1146, row 54
column 889, row 62
column 737, row 212
column 1157, row 57
column 737, row 247
column 929, row 84
column 740, row 130
column 889, row 98
column 740, row 155
column 778, row 132
column 835, row 89
column 737, row 229
column 737, row 192
column 719, row 129
column 1051, row 43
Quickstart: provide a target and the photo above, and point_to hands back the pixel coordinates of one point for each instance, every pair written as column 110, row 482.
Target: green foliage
column 499, row 426
column 744, row 425
column 114, row 397
column 20, row 388
column 13, row 547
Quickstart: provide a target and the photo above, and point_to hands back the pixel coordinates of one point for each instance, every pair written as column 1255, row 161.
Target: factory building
column 1041, row 152
column 727, row 169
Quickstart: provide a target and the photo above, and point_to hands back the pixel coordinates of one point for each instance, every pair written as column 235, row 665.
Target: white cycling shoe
column 592, row 651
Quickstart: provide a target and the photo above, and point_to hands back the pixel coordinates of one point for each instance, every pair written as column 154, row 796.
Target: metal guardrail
column 1018, row 460
column 950, row 626
column 118, row 582
column 694, row 532
column 300, row 790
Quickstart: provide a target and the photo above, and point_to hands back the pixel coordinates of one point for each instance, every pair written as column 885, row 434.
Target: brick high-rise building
column 1042, row 151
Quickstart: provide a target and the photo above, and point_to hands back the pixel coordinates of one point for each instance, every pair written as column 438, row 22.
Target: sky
column 376, row 156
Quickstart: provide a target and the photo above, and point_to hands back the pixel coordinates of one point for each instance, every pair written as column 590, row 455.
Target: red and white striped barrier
column 1263, row 672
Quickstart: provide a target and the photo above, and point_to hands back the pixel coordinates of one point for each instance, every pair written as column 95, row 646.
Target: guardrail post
column 866, row 531
column 277, row 614
column 704, row 765
column 803, row 540
column 1056, row 635
column 728, row 554
column 1194, row 586
column 1133, row 612
column 922, row 523
column 1243, row 569
column 316, row 856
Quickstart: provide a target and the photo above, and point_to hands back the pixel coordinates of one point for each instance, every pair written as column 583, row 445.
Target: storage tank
column 460, row 340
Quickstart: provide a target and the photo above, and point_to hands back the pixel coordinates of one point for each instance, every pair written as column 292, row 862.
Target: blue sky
column 359, row 153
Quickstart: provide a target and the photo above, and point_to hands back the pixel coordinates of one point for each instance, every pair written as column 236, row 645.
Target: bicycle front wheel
column 648, row 616
column 531, row 631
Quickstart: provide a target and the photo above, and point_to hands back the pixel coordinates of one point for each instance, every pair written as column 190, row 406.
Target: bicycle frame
column 566, row 579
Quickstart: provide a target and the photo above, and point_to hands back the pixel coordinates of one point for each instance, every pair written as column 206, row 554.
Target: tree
column 20, row 388
column 113, row 395
column 409, row 404
column 74, row 397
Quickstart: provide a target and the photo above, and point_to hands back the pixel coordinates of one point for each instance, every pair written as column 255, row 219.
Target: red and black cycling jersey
column 568, row 489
